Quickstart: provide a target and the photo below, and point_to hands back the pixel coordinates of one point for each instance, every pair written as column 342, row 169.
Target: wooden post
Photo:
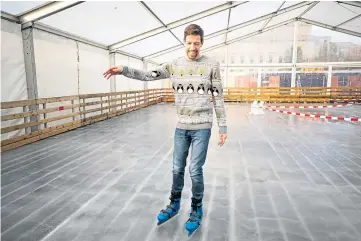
column 44, row 116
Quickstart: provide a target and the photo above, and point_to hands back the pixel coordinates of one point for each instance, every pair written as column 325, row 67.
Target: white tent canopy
column 147, row 30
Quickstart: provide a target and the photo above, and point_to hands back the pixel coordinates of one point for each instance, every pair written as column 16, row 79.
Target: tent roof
column 147, row 30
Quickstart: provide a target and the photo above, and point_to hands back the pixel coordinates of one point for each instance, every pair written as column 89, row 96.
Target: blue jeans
column 198, row 140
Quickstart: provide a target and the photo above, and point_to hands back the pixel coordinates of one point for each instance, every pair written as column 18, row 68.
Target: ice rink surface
column 278, row 177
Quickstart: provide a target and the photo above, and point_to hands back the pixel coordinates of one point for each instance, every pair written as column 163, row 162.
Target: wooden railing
column 28, row 121
column 286, row 94
column 23, row 125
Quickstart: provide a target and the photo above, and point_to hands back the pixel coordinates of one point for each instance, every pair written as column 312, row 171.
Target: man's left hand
column 222, row 139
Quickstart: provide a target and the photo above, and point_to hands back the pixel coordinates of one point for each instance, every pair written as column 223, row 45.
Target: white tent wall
column 66, row 67
column 56, row 71
column 126, row 84
column 93, row 62
column 56, row 65
column 13, row 79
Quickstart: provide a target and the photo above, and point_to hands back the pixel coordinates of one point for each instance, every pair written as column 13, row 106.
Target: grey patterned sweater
column 194, row 83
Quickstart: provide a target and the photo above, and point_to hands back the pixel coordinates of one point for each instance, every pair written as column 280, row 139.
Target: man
column 196, row 79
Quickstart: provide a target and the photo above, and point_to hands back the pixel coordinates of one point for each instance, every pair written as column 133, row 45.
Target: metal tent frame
column 29, row 20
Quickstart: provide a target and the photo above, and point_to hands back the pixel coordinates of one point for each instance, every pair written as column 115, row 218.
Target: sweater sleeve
column 147, row 75
column 218, row 99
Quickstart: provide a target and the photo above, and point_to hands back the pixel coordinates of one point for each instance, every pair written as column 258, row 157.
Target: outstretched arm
column 156, row 74
column 218, row 102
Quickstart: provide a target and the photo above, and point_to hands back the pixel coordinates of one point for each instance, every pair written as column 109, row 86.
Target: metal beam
column 265, row 65
column 337, row 29
column 322, row 64
column 9, row 17
column 134, row 57
column 248, row 35
column 64, row 34
column 165, row 51
column 229, row 18
column 353, row 3
column 158, row 19
column 214, row 47
column 294, row 54
column 308, row 9
column 233, row 28
column 67, row 35
column 350, row 20
column 30, row 71
column 150, row 61
column 71, row 36
column 269, row 20
column 174, row 24
column 329, row 78
column 261, row 18
column 112, row 82
column 145, row 83
column 261, row 31
column 47, row 10
column 226, row 68
column 222, row 44
column 128, row 55
column 289, row 65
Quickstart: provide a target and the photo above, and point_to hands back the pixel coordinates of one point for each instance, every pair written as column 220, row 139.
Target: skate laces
column 194, row 214
column 170, row 206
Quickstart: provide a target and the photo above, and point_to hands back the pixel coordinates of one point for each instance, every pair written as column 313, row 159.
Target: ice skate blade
column 162, row 222
column 191, row 232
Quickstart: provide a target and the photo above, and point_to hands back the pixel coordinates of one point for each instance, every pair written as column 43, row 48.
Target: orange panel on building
column 334, row 81
column 274, row 81
column 253, row 81
column 355, row 80
column 246, row 81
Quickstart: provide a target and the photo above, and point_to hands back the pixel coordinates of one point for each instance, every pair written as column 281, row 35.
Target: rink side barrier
column 286, row 94
column 328, row 117
column 28, row 121
column 306, row 106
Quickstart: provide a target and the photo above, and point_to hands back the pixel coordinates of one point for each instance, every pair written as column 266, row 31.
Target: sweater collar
column 196, row 60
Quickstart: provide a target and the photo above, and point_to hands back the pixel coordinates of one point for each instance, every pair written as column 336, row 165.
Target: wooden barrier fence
column 72, row 111
column 80, row 110
column 286, row 94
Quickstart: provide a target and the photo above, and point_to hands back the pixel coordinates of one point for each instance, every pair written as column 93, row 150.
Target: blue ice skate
column 195, row 218
column 169, row 212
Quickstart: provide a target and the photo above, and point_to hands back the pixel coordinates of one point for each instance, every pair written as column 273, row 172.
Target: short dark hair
column 193, row 29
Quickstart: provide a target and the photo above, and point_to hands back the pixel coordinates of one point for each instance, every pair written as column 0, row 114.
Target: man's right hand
column 113, row 71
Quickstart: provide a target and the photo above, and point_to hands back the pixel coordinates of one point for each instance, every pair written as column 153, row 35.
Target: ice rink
column 278, row 177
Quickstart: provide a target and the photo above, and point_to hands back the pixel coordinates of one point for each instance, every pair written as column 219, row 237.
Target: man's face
column 193, row 46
